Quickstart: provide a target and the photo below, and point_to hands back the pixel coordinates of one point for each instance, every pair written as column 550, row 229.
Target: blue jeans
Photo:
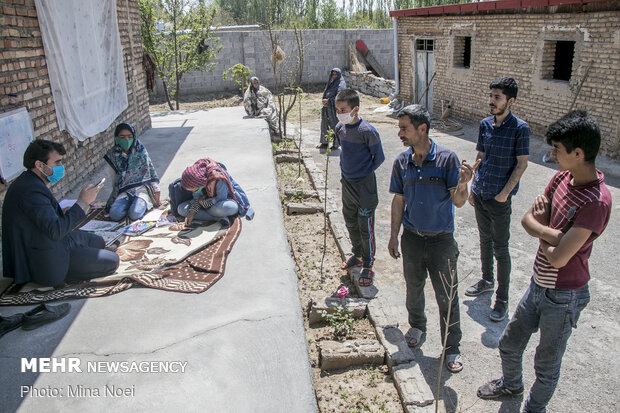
column 222, row 208
column 436, row 256
column 130, row 205
column 556, row 313
column 493, row 219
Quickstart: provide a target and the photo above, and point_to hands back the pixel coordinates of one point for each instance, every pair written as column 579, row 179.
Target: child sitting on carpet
column 135, row 188
column 215, row 194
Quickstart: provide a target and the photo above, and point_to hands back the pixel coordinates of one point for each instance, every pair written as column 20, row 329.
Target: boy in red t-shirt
column 567, row 218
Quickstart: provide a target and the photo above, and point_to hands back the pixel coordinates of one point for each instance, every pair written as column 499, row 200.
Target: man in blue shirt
column 428, row 182
column 503, row 147
column 361, row 155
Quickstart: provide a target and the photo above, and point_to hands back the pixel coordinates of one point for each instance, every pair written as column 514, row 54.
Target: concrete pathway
column 589, row 375
column 241, row 343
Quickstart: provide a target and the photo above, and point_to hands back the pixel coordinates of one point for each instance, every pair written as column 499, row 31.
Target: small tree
column 188, row 45
column 239, row 74
column 287, row 76
column 329, row 137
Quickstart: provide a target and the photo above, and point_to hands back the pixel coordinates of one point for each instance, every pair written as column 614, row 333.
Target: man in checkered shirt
column 503, row 148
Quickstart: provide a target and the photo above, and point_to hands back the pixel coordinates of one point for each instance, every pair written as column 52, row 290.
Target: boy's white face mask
column 346, row 118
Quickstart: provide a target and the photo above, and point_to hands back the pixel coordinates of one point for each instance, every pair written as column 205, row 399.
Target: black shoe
column 499, row 311
column 322, row 146
column 10, row 323
column 43, row 314
column 480, row 287
column 496, row 388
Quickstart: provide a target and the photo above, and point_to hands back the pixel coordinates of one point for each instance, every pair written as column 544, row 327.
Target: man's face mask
column 57, row 173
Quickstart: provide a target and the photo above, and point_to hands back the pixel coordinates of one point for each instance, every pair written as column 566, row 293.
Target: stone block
column 396, row 349
column 286, row 158
column 411, row 385
column 338, row 355
column 303, row 208
column 317, row 304
column 301, row 193
column 285, row 151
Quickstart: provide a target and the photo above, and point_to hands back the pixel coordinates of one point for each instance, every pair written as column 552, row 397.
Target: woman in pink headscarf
column 215, row 194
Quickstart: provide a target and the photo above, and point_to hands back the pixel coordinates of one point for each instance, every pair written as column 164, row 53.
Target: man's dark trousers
column 493, row 220
column 359, row 200
column 436, row 256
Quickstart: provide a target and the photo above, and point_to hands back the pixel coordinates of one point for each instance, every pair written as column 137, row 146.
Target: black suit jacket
column 35, row 231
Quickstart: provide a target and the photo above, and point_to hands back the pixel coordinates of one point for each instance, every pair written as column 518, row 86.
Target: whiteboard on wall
column 16, row 133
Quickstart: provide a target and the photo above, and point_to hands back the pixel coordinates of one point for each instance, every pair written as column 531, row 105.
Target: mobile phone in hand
column 100, row 182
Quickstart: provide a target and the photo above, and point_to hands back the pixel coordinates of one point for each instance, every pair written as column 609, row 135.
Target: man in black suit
column 39, row 241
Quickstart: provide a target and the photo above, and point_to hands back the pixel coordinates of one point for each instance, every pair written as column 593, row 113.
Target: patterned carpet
column 173, row 258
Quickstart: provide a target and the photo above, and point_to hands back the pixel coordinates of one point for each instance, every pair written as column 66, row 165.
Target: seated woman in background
column 215, row 194
column 135, row 180
column 258, row 103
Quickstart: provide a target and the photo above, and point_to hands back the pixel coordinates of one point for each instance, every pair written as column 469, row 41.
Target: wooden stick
column 583, row 80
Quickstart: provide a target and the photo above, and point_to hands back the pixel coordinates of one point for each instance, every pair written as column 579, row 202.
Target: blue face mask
column 57, row 173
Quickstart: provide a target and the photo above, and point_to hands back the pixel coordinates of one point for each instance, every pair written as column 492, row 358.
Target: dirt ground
column 310, row 108
column 355, row 389
column 192, row 102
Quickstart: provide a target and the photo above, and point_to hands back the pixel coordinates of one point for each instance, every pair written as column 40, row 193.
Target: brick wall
column 522, row 45
column 323, row 50
column 23, row 74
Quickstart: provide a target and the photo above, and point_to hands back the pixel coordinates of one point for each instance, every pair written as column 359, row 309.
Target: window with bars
column 425, row 44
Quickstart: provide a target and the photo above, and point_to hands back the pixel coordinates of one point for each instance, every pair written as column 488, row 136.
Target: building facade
column 563, row 54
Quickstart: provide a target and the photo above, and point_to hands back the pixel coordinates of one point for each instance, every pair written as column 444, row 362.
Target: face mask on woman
column 123, row 143
column 199, row 190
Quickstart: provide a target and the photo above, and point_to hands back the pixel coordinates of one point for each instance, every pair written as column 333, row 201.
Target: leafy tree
column 239, row 74
column 314, row 14
column 187, row 43
column 332, row 16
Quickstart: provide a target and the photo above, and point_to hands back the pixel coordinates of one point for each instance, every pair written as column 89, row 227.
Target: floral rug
column 172, row 258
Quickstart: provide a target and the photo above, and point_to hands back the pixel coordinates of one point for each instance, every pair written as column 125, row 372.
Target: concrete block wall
column 518, row 44
column 24, row 82
column 323, row 50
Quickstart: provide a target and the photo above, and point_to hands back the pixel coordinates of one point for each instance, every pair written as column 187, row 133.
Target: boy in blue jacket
column 361, row 154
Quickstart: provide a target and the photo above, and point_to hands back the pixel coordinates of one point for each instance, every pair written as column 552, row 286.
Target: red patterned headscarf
column 205, row 172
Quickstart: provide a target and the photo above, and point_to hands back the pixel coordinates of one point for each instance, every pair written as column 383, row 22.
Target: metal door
column 424, row 69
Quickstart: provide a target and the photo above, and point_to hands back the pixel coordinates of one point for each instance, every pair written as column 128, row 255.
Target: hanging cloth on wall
column 85, row 63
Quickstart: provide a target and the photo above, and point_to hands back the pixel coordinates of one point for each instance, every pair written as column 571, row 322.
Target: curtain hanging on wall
column 85, row 63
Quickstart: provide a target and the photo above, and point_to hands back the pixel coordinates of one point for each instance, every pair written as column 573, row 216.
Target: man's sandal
column 454, row 363
column 366, row 277
column 413, row 336
column 352, row 262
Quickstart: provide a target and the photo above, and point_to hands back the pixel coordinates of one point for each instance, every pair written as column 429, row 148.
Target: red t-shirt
column 587, row 206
